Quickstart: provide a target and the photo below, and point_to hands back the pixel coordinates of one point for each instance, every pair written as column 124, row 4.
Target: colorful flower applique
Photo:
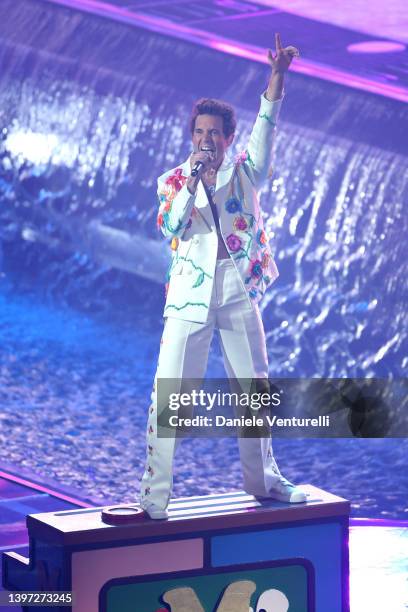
column 255, row 269
column 150, row 449
column 243, row 157
column 240, row 223
column 233, row 205
column 172, row 186
column 261, row 237
column 256, row 275
column 177, row 179
column 234, row 243
column 147, row 491
column 174, row 244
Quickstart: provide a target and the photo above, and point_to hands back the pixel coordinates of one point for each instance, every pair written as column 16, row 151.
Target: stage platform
column 377, row 547
column 208, row 547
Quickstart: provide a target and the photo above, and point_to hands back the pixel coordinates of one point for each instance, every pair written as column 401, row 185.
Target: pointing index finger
column 278, row 42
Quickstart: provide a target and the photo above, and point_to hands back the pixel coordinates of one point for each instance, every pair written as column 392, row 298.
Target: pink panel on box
column 92, row 568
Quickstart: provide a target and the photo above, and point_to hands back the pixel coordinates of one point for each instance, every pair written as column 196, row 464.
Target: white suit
column 205, row 293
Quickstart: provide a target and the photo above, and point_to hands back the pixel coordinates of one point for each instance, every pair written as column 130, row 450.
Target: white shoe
column 285, row 491
column 154, row 511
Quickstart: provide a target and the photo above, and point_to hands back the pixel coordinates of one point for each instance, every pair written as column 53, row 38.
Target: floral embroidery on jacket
column 172, row 186
column 240, row 223
column 256, row 275
column 177, row 179
column 256, row 269
column 261, row 237
column 243, row 157
column 233, row 243
column 233, row 205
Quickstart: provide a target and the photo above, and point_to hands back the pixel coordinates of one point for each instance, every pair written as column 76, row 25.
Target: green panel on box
column 146, row 596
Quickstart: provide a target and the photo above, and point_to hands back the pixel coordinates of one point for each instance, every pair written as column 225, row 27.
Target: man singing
column 221, row 267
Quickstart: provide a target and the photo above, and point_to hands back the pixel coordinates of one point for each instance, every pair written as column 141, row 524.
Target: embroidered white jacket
column 188, row 219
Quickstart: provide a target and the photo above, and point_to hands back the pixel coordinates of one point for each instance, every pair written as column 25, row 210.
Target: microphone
column 197, row 166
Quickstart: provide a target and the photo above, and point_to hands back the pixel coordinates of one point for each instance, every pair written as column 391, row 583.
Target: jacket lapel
column 224, row 175
column 203, row 206
column 201, row 203
column 222, row 190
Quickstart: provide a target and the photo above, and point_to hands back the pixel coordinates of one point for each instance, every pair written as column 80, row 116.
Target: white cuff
column 270, row 110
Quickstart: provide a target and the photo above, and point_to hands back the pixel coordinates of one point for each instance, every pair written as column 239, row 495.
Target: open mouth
column 208, row 149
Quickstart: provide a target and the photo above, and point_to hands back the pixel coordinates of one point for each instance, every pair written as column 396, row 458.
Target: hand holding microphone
column 200, row 160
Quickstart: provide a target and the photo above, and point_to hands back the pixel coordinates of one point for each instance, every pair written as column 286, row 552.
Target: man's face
column 208, row 135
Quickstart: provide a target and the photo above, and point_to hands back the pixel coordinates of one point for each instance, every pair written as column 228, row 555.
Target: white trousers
column 184, row 353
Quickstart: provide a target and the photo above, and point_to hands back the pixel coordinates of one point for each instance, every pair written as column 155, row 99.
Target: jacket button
column 196, row 241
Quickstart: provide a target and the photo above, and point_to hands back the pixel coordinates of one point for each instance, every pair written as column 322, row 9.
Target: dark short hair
column 210, row 106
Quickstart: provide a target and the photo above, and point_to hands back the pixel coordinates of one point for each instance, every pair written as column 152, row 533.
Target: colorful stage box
column 218, row 553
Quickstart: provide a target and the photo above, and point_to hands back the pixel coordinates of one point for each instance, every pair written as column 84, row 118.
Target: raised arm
column 259, row 151
column 279, row 65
